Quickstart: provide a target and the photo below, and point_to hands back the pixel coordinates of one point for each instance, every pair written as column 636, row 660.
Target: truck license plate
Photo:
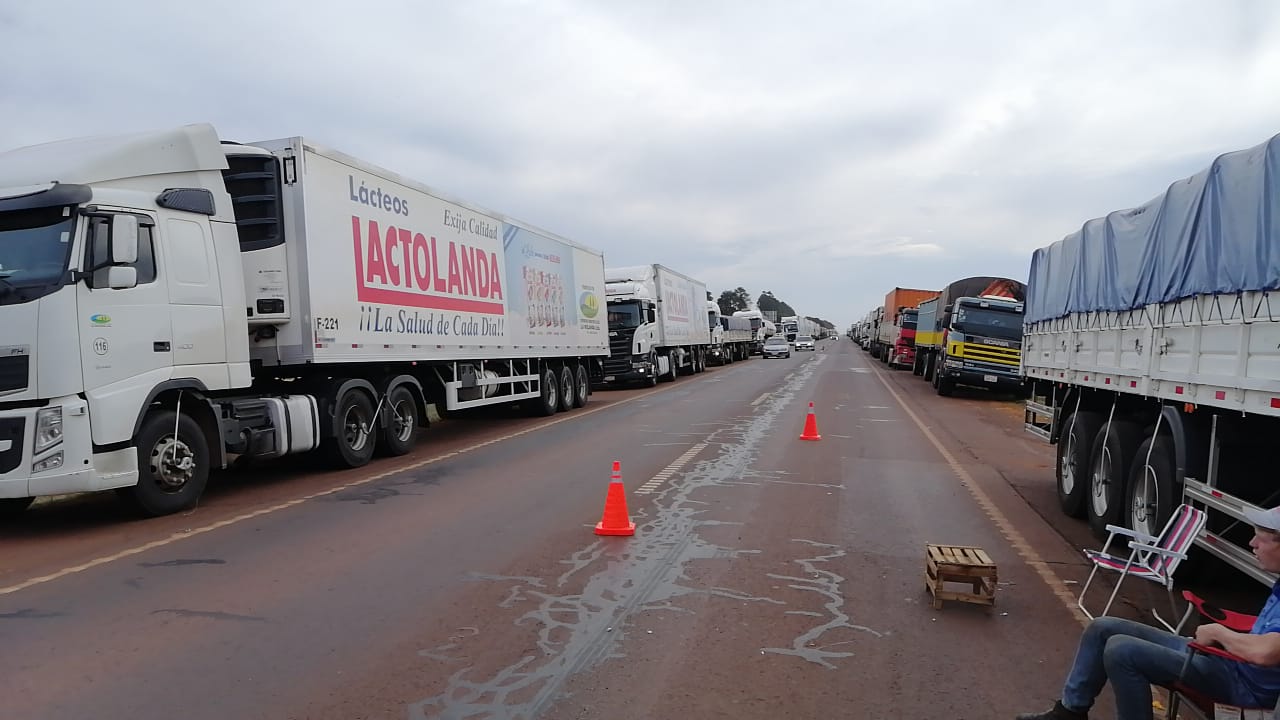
column 989, row 378
column 609, row 378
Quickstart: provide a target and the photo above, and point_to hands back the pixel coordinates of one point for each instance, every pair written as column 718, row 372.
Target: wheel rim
column 355, row 429
column 549, row 389
column 1101, row 479
column 1146, row 502
column 403, row 421
column 172, row 463
column 1069, row 465
column 566, row 388
column 582, row 385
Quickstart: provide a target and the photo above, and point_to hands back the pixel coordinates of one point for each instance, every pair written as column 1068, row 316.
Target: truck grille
column 11, row 429
column 619, row 360
column 991, row 353
column 14, row 371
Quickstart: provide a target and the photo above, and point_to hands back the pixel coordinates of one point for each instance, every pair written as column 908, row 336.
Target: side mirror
column 123, row 278
column 124, row 241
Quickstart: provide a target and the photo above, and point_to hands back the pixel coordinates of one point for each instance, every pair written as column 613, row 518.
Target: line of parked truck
column 171, row 302
column 1146, row 345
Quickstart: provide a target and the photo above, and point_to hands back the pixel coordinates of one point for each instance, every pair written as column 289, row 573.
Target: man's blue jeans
column 1133, row 657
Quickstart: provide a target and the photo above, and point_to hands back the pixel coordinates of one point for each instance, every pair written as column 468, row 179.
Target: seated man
column 1134, row 656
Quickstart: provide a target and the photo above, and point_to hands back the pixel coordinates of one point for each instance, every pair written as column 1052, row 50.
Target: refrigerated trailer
column 1152, row 340
column 657, row 325
column 170, row 301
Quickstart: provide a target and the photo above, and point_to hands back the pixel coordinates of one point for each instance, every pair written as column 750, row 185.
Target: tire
column 1153, row 493
column 945, row 385
column 401, row 412
column 583, row 390
column 172, row 471
column 549, row 403
column 652, row 380
column 566, row 386
column 354, row 435
column 1074, row 459
column 13, row 508
column 928, row 368
column 670, row 375
column 1113, row 453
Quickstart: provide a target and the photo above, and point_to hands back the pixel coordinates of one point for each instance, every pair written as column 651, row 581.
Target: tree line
column 731, row 301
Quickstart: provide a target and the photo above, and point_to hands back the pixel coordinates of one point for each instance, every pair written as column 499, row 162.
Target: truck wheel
column 1074, row 460
column 172, row 470
column 946, row 386
column 1112, row 457
column 583, row 387
column 402, row 423
column 917, row 366
column 652, row 380
column 354, row 431
column 11, row 508
column 670, row 374
column 928, row 368
column 1152, row 494
column 566, row 387
column 549, row 403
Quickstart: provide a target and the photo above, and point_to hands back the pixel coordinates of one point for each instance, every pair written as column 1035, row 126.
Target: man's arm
column 1261, row 649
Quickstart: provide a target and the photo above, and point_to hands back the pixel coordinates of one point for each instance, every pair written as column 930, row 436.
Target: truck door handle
column 160, row 346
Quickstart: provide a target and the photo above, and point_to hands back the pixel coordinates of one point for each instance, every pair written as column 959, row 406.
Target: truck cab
column 120, row 276
column 981, row 344
column 633, row 327
column 903, row 352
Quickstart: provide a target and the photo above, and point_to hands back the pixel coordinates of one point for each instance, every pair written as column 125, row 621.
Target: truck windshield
column 624, row 316
column 991, row 322
column 35, row 248
column 908, row 320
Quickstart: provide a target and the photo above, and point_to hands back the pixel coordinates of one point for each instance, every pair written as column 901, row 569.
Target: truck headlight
column 48, row 428
column 52, row 462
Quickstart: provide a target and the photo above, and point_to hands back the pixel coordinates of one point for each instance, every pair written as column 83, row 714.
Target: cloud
column 825, row 150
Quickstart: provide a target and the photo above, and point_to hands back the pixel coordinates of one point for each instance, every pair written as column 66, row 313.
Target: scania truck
column 731, row 337
column 971, row 334
column 657, row 325
column 170, row 301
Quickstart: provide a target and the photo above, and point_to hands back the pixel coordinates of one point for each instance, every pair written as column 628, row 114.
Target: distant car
column 776, row 346
column 804, row 342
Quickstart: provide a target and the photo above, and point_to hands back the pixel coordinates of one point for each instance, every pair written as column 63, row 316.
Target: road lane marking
column 666, row 473
column 760, row 399
column 1011, row 534
column 182, row 535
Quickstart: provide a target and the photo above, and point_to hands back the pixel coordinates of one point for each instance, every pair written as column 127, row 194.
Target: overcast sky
column 825, row 151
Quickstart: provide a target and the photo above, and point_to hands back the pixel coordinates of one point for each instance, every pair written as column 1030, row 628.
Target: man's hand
column 1210, row 634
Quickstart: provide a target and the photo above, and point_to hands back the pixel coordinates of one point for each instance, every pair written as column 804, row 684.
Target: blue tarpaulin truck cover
column 1215, row 232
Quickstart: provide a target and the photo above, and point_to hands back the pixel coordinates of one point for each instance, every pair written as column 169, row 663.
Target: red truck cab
column 904, row 343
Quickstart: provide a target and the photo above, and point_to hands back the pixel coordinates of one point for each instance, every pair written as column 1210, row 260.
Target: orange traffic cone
column 810, row 426
column 616, row 521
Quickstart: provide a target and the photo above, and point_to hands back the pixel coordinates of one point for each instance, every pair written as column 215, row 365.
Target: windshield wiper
column 6, row 287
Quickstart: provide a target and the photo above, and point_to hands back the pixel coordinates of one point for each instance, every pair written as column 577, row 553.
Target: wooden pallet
column 960, row 564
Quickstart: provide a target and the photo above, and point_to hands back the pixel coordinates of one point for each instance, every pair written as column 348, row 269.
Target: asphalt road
column 768, row 577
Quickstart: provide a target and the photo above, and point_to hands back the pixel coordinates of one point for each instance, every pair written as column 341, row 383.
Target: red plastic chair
column 1201, row 705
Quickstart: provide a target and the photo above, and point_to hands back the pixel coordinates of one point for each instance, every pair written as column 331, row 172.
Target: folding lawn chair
column 1150, row 558
column 1201, row 707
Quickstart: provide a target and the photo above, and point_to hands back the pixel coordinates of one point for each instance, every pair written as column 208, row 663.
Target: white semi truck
column 1152, row 343
column 170, row 301
column 761, row 328
column 731, row 337
column 657, row 325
